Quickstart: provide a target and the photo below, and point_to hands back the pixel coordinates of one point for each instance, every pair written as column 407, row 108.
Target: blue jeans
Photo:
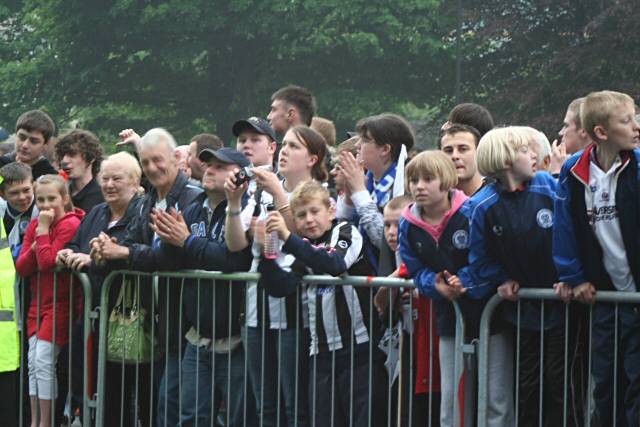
column 168, row 392
column 199, row 368
column 293, row 343
column 628, row 355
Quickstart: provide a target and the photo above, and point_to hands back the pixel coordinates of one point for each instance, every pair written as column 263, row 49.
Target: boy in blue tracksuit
column 213, row 362
column 596, row 245
column 510, row 248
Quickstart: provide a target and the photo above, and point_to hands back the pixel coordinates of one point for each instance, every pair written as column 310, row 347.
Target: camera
column 246, row 173
column 243, row 175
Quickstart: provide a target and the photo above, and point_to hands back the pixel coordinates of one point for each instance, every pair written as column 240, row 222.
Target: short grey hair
column 155, row 137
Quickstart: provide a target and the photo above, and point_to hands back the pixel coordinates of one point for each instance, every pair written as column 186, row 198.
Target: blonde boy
column 595, row 243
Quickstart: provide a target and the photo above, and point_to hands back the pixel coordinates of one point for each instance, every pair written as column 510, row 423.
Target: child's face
column 391, row 222
column 427, row 192
column 48, row 197
column 522, row 168
column 313, row 218
column 19, row 195
column 623, row 130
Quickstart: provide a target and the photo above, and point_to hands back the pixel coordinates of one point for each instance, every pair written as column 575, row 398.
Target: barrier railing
column 578, row 400
column 146, row 386
column 68, row 363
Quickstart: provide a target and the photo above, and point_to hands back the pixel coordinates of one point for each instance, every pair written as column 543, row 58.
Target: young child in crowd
column 419, row 323
column 56, row 225
column 510, row 248
column 595, row 246
column 339, row 318
column 434, row 238
column 16, row 188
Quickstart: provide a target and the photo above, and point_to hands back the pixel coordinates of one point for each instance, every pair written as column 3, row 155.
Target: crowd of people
column 492, row 210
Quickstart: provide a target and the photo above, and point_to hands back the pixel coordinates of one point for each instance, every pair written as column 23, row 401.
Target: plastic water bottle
column 271, row 240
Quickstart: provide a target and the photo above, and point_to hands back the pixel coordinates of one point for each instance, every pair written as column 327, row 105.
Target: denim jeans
column 602, row 364
column 168, row 393
column 200, row 397
column 277, row 352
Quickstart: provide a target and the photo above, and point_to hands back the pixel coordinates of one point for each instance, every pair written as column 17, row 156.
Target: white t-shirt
column 601, row 199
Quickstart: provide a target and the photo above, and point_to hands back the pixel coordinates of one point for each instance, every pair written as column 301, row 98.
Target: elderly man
column 170, row 190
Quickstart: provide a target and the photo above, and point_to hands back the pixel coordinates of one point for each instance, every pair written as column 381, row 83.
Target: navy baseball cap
column 255, row 124
column 225, row 155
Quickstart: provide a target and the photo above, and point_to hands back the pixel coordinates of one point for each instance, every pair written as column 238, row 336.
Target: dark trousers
column 128, row 395
column 339, row 395
column 10, row 392
column 604, row 358
column 551, row 361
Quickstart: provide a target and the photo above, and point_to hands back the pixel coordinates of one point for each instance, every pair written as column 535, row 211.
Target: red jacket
column 37, row 265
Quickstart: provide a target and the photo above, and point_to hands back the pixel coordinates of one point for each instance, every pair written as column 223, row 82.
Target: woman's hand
column 61, row 257
column 275, row 222
column 267, row 180
column 352, row 172
column 77, row 261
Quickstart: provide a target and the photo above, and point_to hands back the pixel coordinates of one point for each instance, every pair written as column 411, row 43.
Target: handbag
column 128, row 341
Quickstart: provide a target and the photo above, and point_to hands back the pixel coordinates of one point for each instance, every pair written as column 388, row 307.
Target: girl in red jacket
column 47, row 323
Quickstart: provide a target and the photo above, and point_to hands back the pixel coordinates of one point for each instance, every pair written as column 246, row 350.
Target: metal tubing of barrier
column 355, row 281
column 614, row 297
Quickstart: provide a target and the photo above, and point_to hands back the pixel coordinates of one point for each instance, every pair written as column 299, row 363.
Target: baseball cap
column 225, row 155
column 255, row 124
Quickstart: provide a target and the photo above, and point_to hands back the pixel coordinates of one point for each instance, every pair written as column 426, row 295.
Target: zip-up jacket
column 139, row 239
column 336, row 313
column 50, row 297
column 95, row 222
column 426, row 255
column 212, row 308
column 510, row 238
column 576, row 251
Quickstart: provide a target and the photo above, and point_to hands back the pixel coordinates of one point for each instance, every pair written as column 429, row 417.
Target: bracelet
column 284, row 207
column 233, row 213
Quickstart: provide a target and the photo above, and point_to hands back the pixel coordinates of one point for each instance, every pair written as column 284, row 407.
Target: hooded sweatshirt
column 37, row 265
column 429, row 249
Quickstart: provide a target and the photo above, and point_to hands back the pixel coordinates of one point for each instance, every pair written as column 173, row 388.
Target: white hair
column 543, row 143
column 155, row 137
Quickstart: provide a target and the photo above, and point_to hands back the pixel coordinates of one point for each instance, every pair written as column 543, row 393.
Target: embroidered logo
column 199, row 229
column 342, row 244
column 497, row 230
column 604, row 196
column 544, row 218
column 460, row 239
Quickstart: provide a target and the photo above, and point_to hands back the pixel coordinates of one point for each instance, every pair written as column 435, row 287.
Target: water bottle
column 271, row 240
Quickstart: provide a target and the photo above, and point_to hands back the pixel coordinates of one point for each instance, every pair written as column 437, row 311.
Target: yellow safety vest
column 9, row 334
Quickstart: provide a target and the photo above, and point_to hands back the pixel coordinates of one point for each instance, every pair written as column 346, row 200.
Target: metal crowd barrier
column 70, row 352
column 136, row 384
column 578, row 398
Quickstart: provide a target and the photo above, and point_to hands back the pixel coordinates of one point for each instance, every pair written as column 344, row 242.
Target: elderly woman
column 119, row 180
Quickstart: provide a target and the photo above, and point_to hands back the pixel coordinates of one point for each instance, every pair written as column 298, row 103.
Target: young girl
column 339, row 318
column 279, row 337
column 510, row 248
column 384, row 142
column 55, row 226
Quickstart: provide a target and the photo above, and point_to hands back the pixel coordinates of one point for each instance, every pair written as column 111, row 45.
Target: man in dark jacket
column 170, row 190
column 213, row 363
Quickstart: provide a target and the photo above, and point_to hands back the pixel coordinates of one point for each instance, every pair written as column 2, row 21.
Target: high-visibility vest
column 9, row 334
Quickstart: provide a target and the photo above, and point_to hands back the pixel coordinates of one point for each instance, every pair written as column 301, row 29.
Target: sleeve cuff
column 361, row 198
column 187, row 242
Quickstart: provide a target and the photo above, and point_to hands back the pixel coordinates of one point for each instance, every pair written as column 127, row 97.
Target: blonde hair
column 307, row 191
column 574, row 108
column 598, row 107
column 432, row 164
column 61, row 185
column 128, row 163
column 326, row 128
column 541, row 140
column 398, row 202
column 498, row 149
